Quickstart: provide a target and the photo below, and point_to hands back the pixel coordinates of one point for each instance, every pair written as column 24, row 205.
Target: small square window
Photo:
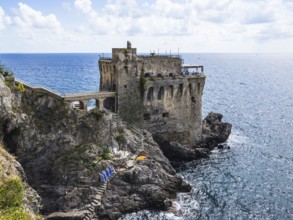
column 125, row 86
column 166, row 114
column 147, row 116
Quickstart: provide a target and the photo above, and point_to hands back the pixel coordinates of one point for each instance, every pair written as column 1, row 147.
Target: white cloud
column 207, row 25
column 4, row 20
column 28, row 19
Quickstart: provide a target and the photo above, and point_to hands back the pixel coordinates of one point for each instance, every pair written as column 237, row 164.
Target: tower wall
column 152, row 94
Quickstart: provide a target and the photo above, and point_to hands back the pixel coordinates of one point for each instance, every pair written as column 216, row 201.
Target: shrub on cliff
column 11, row 196
column 121, row 139
column 97, row 114
column 11, row 193
column 4, row 71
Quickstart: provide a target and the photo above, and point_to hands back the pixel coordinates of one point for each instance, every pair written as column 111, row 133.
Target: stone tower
column 156, row 92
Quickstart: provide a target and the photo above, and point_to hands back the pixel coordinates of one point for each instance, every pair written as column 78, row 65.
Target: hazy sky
column 191, row 25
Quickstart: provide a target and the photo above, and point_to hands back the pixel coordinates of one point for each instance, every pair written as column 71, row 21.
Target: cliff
column 63, row 151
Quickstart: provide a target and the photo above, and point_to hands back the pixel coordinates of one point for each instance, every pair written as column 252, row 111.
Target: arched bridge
column 101, row 99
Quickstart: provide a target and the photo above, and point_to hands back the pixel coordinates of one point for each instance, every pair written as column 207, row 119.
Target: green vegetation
column 75, row 155
column 11, row 193
column 11, row 196
column 9, row 85
column 142, row 82
column 125, row 52
column 4, row 71
column 106, row 153
column 121, row 139
column 20, row 87
column 97, row 114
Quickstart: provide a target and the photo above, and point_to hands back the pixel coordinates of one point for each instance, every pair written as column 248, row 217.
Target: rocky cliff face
column 62, row 153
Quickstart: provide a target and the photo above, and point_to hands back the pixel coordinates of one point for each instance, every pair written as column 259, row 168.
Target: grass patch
column 142, row 83
column 11, row 193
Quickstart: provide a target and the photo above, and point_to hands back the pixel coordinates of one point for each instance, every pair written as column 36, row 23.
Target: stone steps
column 96, row 201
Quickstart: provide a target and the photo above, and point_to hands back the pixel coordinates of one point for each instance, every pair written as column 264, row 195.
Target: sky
column 199, row 26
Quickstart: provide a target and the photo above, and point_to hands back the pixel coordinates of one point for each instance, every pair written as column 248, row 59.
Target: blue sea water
column 251, row 180
column 63, row 73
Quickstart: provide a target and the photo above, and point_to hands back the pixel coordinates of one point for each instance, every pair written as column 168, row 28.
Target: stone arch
column 109, row 103
column 77, row 105
column 91, row 104
column 171, row 74
column 161, row 93
column 150, row 94
column 160, row 75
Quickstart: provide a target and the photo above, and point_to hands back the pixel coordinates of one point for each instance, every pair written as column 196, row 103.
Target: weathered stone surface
column 152, row 94
column 74, row 215
column 60, row 151
column 178, row 152
column 214, row 132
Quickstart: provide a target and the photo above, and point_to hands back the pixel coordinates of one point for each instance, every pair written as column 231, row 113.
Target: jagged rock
column 146, row 185
column 59, row 149
column 178, row 152
column 214, row 131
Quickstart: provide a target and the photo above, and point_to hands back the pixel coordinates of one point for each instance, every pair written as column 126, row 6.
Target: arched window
column 150, row 94
column 147, row 75
column 160, row 75
column 91, row 104
column 161, row 93
column 171, row 74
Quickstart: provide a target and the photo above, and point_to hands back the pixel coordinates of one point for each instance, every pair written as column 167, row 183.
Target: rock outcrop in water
column 214, row 132
column 63, row 151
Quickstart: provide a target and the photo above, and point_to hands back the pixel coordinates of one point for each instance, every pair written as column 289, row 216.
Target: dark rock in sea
column 214, row 131
column 178, row 152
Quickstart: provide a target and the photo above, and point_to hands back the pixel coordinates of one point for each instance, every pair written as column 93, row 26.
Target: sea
column 251, row 180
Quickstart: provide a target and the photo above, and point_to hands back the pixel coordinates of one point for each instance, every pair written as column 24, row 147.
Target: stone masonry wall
column 176, row 114
column 174, row 110
column 164, row 66
column 106, row 72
